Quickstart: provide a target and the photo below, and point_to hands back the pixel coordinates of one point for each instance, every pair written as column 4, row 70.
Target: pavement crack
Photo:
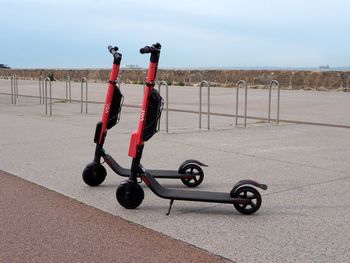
column 345, row 178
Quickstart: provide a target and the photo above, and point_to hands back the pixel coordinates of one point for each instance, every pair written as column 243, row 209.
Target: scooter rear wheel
column 94, row 174
column 248, row 192
column 129, row 194
column 193, row 175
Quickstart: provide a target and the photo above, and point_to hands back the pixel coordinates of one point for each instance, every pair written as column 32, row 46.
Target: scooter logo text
column 107, row 108
column 142, row 115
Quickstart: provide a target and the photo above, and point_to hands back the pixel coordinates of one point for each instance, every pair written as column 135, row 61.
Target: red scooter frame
column 94, row 173
column 243, row 196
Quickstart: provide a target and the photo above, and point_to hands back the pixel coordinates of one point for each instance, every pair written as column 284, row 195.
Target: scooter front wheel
column 129, row 194
column 248, row 192
column 192, row 175
column 94, row 174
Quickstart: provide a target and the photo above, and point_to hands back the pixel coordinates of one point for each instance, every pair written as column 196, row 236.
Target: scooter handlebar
column 114, row 52
column 155, row 48
column 112, row 49
column 145, row 50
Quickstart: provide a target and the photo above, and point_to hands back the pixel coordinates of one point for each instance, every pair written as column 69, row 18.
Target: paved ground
column 305, row 213
column 308, row 106
column 39, row 225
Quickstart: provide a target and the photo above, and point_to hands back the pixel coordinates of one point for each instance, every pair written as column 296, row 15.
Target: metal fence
column 201, row 85
column 238, row 85
column 82, row 81
column 45, row 97
column 274, row 83
column 68, row 89
column 14, row 89
column 164, row 83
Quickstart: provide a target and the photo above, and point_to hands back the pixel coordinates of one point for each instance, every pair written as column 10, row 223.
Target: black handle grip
column 114, row 51
column 145, row 50
column 154, row 49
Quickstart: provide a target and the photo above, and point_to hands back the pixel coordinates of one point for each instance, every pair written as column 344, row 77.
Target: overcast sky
column 197, row 33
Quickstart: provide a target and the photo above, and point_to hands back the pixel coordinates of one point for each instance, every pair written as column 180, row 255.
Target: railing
column 45, row 97
column 68, row 89
column 47, row 79
column 41, row 89
column 84, row 80
column 204, row 83
column 276, row 84
column 164, row 83
column 14, row 89
column 242, row 83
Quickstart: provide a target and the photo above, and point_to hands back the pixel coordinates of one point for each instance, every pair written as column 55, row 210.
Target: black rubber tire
column 253, row 195
column 196, row 171
column 94, row 174
column 129, row 194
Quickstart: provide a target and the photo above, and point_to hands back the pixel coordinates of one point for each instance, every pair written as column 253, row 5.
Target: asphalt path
column 40, row 225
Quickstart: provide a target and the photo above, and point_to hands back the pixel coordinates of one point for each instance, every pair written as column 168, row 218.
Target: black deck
column 188, row 195
column 167, row 174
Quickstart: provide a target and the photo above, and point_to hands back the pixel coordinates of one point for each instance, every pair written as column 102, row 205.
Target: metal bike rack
column 14, row 89
column 16, row 85
column 274, row 83
column 238, row 84
column 47, row 79
column 84, row 80
column 204, row 83
column 164, row 83
column 68, row 89
column 291, row 80
column 41, row 89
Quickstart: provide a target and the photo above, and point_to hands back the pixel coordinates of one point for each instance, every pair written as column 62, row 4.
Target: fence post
column 84, row 80
column 204, row 83
column 278, row 103
column 274, row 83
column 68, row 89
column 47, row 79
column 238, row 84
column 41, row 89
column 16, row 86
column 245, row 104
column 166, row 104
column 12, row 89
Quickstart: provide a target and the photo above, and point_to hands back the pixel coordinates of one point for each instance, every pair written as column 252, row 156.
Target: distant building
column 132, row 66
column 4, row 66
column 324, row 67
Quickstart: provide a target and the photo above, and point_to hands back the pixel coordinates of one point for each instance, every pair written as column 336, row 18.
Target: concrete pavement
column 305, row 213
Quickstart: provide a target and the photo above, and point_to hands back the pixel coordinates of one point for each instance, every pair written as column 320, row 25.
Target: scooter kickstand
column 170, row 206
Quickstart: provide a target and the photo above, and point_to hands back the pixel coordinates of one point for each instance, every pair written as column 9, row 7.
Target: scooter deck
column 166, row 174
column 188, row 195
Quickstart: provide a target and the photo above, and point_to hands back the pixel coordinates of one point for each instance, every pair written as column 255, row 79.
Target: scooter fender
column 247, row 182
column 190, row 161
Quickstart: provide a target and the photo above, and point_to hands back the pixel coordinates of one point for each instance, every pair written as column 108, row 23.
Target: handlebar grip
column 114, row 51
column 145, row 50
column 154, row 49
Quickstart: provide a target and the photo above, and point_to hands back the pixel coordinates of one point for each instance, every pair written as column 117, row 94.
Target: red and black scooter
column 245, row 198
column 94, row 173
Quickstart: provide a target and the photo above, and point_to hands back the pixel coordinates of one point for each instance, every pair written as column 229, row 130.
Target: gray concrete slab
column 305, row 213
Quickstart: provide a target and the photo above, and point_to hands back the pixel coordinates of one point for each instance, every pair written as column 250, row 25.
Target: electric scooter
column 94, row 173
column 244, row 196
